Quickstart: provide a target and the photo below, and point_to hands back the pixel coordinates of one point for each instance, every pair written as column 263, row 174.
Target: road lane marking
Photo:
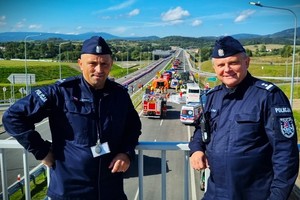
column 136, row 194
column 161, row 121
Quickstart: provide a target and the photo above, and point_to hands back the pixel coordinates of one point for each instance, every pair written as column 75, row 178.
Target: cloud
column 34, row 26
column 174, row 15
column 134, row 12
column 20, row 24
column 119, row 30
column 106, row 17
column 196, row 22
column 244, row 15
column 2, row 20
column 122, row 5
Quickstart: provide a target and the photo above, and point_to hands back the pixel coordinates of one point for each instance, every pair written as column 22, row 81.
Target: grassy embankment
column 46, row 73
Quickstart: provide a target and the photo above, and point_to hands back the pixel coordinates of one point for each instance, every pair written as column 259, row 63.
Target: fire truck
column 154, row 105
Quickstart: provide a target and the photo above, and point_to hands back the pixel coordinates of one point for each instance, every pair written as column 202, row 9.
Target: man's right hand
column 198, row 160
column 49, row 160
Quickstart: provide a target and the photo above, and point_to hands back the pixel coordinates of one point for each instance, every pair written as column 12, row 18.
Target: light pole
column 199, row 63
column 25, row 56
column 127, row 61
column 59, row 52
column 294, row 45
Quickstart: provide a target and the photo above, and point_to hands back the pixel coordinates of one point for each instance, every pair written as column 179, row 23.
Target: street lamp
column 294, row 46
column 127, row 61
column 25, row 56
column 59, row 52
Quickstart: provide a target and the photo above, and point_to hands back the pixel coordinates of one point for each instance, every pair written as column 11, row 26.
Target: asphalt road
column 155, row 130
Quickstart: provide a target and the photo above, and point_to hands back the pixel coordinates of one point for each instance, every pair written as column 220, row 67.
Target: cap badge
column 98, row 49
column 221, row 52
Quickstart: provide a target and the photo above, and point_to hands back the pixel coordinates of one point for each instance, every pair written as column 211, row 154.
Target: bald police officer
column 251, row 142
column 94, row 129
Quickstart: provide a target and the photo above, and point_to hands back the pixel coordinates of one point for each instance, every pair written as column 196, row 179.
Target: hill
column 20, row 36
column 282, row 37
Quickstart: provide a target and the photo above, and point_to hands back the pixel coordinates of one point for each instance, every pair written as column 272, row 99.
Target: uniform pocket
column 80, row 116
column 246, row 129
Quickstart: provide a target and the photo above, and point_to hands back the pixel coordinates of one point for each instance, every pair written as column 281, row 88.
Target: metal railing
column 141, row 147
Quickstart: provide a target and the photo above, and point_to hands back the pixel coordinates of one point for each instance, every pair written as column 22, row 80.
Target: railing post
column 163, row 175
column 186, row 175
column 26, row 175
column 141, row 173
column 3, row 174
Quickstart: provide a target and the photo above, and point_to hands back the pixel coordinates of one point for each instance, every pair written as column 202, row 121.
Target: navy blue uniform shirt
column 75, row 112
column 253, row 152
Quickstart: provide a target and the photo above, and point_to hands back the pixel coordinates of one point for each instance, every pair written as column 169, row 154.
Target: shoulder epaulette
column 67, row 80
column 113, row 84
column 216, row 88
column 265, row 85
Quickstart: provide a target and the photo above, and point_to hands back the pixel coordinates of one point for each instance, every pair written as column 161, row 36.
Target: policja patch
column 287, row 127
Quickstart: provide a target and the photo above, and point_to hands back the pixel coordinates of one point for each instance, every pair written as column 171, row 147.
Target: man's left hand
column 120, row 163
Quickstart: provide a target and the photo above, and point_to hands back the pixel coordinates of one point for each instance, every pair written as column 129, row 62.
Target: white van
column 190, row 113
column 192, row 93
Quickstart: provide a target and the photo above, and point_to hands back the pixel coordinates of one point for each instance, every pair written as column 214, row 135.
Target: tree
column 286, row 51
column 249, row 52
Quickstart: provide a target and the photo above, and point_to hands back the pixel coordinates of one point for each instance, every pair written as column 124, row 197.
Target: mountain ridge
column 21, row 36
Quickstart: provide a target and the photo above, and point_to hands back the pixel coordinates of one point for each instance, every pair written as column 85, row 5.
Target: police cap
column 95, row 45
column 227, row 46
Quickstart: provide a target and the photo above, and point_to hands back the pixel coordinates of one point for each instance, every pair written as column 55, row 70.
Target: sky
column 131, row 18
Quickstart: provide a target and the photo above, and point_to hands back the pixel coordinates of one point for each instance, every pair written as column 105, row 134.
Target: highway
column 168, row 129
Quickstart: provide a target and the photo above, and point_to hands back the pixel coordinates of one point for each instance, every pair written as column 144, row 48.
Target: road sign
column 4, row 89
column 212, row 79
column 22, row 90
column 21, row 78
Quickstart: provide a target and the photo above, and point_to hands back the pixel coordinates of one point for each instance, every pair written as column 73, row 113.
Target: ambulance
column 190, row 113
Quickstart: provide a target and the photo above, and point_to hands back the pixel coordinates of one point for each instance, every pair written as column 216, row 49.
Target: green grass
column 297, row 121
column 270, row 70
column 38, row 189
column 45, row 73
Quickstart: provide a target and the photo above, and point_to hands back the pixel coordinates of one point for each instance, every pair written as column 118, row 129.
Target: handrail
column 163, row 147
column 142, row 146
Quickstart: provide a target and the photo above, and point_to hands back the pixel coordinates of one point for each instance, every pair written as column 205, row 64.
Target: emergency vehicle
column 154, row 105
column 190, row 113
column 192, row 93
column 174, row 83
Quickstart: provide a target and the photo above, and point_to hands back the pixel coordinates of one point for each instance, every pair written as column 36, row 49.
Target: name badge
column 100, row 149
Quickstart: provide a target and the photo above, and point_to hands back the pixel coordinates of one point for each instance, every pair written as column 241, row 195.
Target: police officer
column 94, row 129
column 250, row 146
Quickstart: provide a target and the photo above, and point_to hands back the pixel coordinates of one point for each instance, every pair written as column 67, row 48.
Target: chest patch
column 287, row 127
